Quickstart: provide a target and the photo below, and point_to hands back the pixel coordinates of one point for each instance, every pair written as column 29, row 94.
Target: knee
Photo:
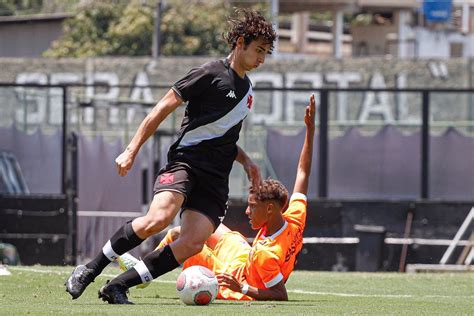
column 154, row 224
column 193, row 249
column 175, row 232
column 189, row 247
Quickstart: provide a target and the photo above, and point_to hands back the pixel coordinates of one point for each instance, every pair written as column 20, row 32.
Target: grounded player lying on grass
column 258, row 272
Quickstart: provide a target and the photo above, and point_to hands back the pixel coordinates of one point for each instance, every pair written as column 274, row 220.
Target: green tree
column 195, row 28
column 114, row 27
column 131, row 34
column 59, row 6
column 14, row 7
column 6, row 8
column 106, row 28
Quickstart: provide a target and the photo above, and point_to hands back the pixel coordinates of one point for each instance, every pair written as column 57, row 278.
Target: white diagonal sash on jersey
column 217, row 128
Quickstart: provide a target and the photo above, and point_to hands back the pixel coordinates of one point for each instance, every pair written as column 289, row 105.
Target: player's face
column 253, row 55
column 257, row 211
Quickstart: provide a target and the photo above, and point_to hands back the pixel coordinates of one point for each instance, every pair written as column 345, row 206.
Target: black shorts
column 203, row 192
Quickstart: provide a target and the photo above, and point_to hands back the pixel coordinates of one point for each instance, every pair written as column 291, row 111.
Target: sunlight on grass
column 39, row 290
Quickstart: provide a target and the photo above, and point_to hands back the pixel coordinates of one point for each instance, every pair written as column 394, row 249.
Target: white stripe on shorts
column 143, row 271
column 109, row 252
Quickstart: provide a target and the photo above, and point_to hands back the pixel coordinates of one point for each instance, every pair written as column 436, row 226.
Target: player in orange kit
column 259, row 271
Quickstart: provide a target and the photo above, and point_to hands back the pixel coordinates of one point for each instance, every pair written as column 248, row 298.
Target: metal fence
column 67, row 108
column 71, row 110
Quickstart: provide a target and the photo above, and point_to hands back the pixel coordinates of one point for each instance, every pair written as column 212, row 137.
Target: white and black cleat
column 80, row 278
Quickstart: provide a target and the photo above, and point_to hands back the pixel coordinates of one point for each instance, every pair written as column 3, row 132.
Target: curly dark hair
column 272, row 190
column 251, row 25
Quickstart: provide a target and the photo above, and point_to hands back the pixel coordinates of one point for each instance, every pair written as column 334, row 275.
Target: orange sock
column 165, row 241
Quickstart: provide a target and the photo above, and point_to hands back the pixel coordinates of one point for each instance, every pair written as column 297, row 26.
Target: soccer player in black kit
column 195, row 180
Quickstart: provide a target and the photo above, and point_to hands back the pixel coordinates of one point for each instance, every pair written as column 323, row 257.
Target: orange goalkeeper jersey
column 273, row 258
column 268, row 261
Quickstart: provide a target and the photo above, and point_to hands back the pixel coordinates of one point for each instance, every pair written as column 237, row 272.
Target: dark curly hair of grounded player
column 272, row 190
column 251, row 25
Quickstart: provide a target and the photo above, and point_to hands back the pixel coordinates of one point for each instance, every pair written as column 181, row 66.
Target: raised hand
column 124, row 162
column 310, row 115
column 253, row 173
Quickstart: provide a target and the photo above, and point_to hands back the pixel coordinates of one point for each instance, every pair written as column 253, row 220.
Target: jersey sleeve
column 296, row 211
column 267, row 267
column 194, row 83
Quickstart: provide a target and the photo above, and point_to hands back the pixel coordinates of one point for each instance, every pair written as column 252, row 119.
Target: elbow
column 283, row 297
column 280, row 296
column 277, row 297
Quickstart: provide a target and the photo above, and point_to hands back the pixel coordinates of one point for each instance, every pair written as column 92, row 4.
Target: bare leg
column 211, row 242
column 162, row 211
column 196, row 228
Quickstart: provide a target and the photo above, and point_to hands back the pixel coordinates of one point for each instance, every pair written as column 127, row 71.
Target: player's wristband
column 244, row 289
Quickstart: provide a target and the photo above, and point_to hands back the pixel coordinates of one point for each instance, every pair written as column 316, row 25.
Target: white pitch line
column 377, row 295
column 297, row 291
column 35, row 270
column 67, row 273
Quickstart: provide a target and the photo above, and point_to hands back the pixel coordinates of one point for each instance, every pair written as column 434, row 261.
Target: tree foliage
column 108, row 28
column 27, row 7
column 6, row 9
column 12, row 7
column 131, row 34
column 195, row 28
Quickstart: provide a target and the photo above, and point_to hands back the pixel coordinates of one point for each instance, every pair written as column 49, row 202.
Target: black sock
column 98, row 263
column 122, row 241
column 127, row 279
column 161, row 262
column 155, row 264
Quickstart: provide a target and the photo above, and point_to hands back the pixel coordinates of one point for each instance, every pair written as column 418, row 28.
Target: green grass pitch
column 39, row 290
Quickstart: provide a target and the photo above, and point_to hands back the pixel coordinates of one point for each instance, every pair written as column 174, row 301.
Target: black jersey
column 218, row 101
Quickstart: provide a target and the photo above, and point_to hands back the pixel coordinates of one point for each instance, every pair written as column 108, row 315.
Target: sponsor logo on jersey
column 249, row 101
column 231, row 94
column 298, row 240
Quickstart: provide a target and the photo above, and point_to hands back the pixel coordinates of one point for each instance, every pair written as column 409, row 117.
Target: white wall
column 436, row 44
column 375, row 36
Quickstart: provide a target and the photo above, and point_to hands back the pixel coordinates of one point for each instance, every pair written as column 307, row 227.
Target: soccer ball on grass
column 197, row 285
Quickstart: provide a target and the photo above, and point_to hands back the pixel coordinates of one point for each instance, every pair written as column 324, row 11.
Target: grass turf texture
column 39, row 290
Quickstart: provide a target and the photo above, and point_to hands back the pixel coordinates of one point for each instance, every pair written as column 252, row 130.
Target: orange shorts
column 230, row 255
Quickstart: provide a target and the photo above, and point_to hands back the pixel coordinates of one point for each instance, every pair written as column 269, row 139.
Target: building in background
column 415, row 29
column 395, row 28
column 29, row 35
column 355, row 28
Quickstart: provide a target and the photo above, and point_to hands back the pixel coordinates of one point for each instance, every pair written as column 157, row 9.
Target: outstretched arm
column 275, row 293
column 306, row 156
column 148, row 126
